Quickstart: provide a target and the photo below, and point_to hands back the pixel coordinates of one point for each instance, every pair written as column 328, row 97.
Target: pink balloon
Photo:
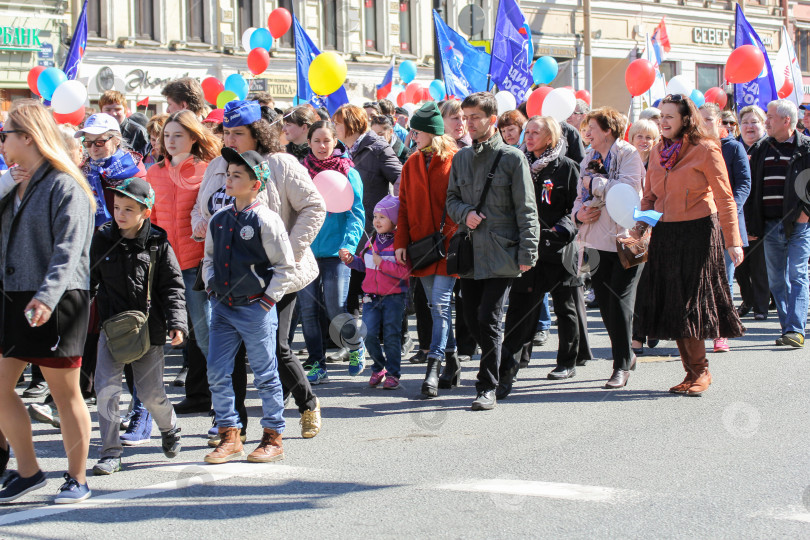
column 336, row 191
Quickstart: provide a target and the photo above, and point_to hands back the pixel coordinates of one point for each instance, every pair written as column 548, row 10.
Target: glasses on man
column 99, row 143
column 6, row 133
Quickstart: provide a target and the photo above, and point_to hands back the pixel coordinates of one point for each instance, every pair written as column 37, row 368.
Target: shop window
column 195, row 21
column 330, row 25
column 405, row 36
column 145, row 19
column 370, row 10
column 802, row 46
column 287, row 39
column 668, row 69
column 708, row 76
column 94, row 19
column 246, row 19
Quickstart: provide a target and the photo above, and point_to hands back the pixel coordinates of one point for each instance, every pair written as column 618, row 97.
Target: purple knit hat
column 389, row 207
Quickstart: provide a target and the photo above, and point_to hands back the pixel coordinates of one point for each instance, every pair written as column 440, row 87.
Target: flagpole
column 491, row 50
column 437, row 67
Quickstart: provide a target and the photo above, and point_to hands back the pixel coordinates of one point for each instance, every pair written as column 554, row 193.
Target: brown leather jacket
column 696, row 187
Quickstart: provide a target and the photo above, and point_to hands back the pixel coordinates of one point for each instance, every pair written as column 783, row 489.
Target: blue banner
column 305, row 53
column 464, row 67
column 761, row 90
column 78, row 44
column 510, row 51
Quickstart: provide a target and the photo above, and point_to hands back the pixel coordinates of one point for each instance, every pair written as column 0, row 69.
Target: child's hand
column 177, row 337
column 345, row 256
column 377, row 259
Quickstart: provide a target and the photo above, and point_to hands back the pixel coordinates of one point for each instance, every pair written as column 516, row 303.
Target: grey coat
column 510, row 234
column 45, row 245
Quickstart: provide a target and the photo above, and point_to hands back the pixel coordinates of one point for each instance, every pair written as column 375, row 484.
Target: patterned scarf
column 300, row 151
column 670, row 150
column 336, row 162
column 540, row 163
column 109, row 172
column 427, row 153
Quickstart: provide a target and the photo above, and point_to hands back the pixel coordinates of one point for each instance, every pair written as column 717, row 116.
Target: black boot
column 430, row 386
column 451, row 374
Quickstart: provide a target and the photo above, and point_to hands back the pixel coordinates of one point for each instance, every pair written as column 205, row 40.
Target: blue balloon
column 237, row 84
column 48, row 80
column 437, row 90
column 261, row 37
column 407, row 71
column 697, row 97
column 544, row 70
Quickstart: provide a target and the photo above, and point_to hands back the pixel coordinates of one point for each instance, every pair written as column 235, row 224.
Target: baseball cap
column 97, row 124
column 215, row 116
column 138, row 189
column 804, row 106
column 241, row 113
column 250, row 159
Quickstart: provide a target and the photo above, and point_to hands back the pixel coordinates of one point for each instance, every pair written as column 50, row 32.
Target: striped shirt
column 775, row 168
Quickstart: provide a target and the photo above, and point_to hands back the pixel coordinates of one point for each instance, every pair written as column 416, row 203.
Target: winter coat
column 390, row 277
column 739, row 174
column 400, row 150
column 379, row 170
column 573, row 140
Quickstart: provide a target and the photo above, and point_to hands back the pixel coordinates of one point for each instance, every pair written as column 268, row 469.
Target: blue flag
column 464, row 67
column 305, row 53
column 650, row 217
column 78, row 44
column 761, row 90
column 510, row 51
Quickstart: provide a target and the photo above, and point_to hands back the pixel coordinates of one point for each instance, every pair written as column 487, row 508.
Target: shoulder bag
column 430, row 249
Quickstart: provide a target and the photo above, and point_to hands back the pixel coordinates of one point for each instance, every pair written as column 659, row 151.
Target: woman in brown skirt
column 688, row 298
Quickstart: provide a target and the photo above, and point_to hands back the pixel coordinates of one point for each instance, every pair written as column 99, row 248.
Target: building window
column 709, row 76
column 145, row 19
column 245, row 9
column 802, row 51
column 371, row 24
column 195, row 21
column 405, row 36
column 287, row 39
column 330, row 25
column 94, row 19
column 668, row 69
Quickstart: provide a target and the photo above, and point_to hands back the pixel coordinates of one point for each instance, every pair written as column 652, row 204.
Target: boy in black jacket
column 121, row 255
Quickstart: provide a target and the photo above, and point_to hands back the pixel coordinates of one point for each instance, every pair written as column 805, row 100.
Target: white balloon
column 506, row 102
column 560, row 103
column 621, row 201
column 410, row 107
column 680, row 84
column 246, row 38
column 69, row 97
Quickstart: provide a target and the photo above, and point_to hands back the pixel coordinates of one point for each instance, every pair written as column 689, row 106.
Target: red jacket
column 175, row 194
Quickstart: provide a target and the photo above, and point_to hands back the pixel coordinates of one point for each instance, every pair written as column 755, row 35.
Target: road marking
column 796, row 516
column 528, row 488
column 193, row 473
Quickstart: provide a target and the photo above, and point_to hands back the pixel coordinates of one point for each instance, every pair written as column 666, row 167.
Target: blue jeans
column 786, row 259
column 544, row 323
column 198, row 309
column 439, row 292
column 230, row 326
column 326, row 294
column 729, row 272
column 386, row 312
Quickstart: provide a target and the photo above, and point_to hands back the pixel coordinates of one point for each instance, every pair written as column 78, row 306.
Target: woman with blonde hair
column 46, row 224
column 643, row 135
column 455, row 123
column 154, row 128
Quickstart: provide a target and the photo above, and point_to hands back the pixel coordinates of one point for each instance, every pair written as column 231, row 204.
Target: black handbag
column 460, row 255
column 428, row 250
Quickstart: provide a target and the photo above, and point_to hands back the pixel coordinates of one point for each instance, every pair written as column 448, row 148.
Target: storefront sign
column 557, row 52
column 139, row 79
column 711, row 36
column 45, row 56
column 14, row 38
column 280, row 87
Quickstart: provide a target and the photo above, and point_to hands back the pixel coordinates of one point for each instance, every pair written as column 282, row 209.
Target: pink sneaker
column 391, row 383
column 376, row 378
column 721, row 345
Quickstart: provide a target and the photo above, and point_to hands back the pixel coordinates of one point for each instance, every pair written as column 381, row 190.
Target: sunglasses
column 4, row 134
column 98, row 143
column 729, row 123
column 370, row 104
column 673, row 98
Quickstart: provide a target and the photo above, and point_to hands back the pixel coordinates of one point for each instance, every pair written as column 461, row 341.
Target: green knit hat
column 427, row 118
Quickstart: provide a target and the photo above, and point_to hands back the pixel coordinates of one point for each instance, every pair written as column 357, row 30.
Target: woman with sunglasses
column 689, row 301
column 730, row 123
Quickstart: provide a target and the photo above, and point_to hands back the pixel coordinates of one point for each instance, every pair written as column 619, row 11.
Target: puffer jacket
column 176, row 191
column 379, row 170
column 291, row 194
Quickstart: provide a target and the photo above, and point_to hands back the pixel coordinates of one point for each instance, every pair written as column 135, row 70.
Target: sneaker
column 107, row 466
column 721, row 345
column 793, row 339
column 317, row 375
column 170, row 442
column 760, row 317
column 540, row 338
column 180, row 380
column 376, row 378
column 311, row 421
column 44, row 413
column 407, row 346
column 391, row 382
column 419, row 358
column 15, row 486
column 36, row 389
column 357, row 362
column 140, row 429
column 72, row 491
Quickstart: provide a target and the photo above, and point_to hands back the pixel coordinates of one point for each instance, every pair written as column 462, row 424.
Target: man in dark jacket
column 114, row 103
column 383, row 126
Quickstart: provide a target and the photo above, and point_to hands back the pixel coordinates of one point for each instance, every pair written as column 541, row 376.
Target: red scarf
column 670, row 150
column 336, row 162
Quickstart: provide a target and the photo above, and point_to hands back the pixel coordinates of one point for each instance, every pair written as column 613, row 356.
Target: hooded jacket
column 379, row 170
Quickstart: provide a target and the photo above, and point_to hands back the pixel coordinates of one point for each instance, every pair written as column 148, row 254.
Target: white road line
column 796, row 516
column 552, row 490
column 191, row 474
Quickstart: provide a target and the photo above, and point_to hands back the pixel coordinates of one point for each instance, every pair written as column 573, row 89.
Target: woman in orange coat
column 422, row 198
column 188, row 147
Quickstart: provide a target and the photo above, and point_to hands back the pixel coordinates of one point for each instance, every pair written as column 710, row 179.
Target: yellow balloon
column 327, row 73
column 224, row 97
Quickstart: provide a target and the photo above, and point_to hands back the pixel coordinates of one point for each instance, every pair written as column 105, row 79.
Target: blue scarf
column 114, row 170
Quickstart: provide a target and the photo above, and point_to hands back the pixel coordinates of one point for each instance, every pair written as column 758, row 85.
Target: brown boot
column 699, row 367
column 690, row 377
column 270, row 449
column 230, row 446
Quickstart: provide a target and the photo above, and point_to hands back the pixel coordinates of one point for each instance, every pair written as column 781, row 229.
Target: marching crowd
column 218, row 232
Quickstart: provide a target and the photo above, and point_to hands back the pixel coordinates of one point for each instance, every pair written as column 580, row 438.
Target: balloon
column 335, row 189
column 437, row 90
column 786, row 89
column 621, row 202
column 407, row 71
column 545, row 70
column 48, row 80
column 261, row 38
column 327, row 73
column 413, row 92
column 639, row 76
column 744, row 64
column 236, row 84
column 258, row 60
column 246, row 39
column 224, row 97
column 33, row 75
column 697, row 97
column 410, row 107
column 559, row 104
column 212, row 87
column 534, row 105
column 279, row 21
column 716, row 95
column 506, row 102
column 75, row 118
column 68, row 97
column 679, row 84
column 397, row 88
column 584, row 95
column 401, row 99
column 426, row 95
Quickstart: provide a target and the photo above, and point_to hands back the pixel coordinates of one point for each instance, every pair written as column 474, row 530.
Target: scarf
column 109, row 172
column 540, row 163
column 300, row 151
column 428, row 152
column 670, row 150
column 338, row 161
column 356, row 144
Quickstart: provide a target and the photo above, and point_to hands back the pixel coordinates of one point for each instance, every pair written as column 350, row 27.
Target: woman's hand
column 345, row 256
column 474, row 219
column 177, row 337
column 19, row 174
column 401, row 255
column 201, row 230
column 39, row 312
column 736, row 254
column 587, row 214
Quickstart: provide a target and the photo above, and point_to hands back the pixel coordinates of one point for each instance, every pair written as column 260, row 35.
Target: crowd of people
column 205, row 231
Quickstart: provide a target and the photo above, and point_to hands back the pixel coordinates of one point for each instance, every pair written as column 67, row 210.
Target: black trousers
column 615, row 290
column 197, row 377
column 584, row 352
column 465, row 341
column 752, row 276
column 290, row 370
column 424, row 319
column 483, row 309
column 355, row 292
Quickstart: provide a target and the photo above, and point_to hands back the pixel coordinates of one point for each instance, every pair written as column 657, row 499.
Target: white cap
column 98, row 124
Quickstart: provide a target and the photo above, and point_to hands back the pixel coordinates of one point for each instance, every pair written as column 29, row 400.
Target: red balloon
column 278, row 22
column 75, row 118
column 627, row 132
column 639, row 77
column 258, row 59
column 584, row 95
column 716, row 95
column 401, row 101
column 413, row 92
column 211, row 88
column 534, row 106
column 786, row 89
column 426, row 95
column 33, row 75
column 744, row 64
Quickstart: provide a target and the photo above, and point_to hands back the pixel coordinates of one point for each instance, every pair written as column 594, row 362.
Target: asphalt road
column 555, row 459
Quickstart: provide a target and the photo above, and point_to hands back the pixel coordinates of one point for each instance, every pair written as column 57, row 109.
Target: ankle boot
column 699, row 367
column 230, row 446
column 451, row 374
column 270, row 449
column 431, row 384
column 690, row 377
